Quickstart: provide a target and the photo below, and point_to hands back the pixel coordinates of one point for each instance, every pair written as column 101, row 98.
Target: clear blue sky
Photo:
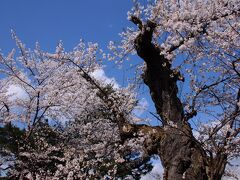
column 49, row 21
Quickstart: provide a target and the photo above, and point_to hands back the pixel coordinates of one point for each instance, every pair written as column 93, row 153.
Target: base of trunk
column 181, row 156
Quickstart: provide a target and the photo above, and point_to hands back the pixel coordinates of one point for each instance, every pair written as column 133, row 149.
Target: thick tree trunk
column 181, row 155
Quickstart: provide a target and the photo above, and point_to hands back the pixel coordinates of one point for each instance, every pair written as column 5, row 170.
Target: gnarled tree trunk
column 181, row 155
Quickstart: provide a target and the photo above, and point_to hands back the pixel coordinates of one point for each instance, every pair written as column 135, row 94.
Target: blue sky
column 49, row 21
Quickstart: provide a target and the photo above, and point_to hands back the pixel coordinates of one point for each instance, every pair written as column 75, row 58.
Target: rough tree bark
column 181, row 155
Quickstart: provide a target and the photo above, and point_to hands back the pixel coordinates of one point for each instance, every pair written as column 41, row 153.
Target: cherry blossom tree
column 195, row 43
column 73, row 123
